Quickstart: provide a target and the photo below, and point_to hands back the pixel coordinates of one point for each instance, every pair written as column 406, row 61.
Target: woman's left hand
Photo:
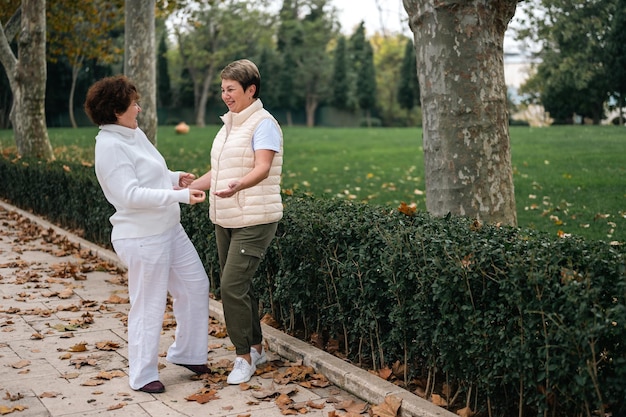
column 233, row 187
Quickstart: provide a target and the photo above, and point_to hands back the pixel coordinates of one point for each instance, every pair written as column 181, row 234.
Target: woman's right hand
column 196, row 196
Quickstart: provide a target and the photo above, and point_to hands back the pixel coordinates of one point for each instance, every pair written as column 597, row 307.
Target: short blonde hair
column 245, row 72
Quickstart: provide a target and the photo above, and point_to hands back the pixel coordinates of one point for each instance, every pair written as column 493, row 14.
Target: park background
column 491, row 266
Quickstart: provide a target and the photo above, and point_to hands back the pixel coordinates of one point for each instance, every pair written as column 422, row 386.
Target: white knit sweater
column 136, row 181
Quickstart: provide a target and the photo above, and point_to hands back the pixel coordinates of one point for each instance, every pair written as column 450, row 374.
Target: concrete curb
column 353, row 379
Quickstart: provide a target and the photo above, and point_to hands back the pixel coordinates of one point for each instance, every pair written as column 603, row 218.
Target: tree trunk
column 27, row 79
column 205, row 94
column 467, row 156
column 140, row 60
column 75, row 71
column 311, row 107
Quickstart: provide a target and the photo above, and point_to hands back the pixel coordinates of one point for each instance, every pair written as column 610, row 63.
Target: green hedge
column 508, row 317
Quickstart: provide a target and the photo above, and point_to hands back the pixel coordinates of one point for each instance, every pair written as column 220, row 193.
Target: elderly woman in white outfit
column 148, row 237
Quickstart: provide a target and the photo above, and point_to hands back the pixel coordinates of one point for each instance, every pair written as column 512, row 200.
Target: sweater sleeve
column 175, row 178
column 119, row 178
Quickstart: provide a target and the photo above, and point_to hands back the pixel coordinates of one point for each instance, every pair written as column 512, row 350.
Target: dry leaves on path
column 20, row 364
column 8, row 410
column 350, row 406
column 203, row 396
column 107, row 345
column 389, row 407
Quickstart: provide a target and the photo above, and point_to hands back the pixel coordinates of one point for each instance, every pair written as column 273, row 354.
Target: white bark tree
column 467, row 155
column 27, row 78
column 140, row 60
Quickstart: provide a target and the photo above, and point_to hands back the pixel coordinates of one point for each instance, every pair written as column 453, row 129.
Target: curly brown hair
column 109, row 97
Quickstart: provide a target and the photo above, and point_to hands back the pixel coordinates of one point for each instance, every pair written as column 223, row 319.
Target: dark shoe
column 154, row 387
column 197, row 369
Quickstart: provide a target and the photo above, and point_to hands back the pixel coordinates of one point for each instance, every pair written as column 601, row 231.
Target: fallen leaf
column 66, row 293
column 283, row 400
column 311, row 404
column 203, row 396
column 351, row 406
column 8, row 410
column 12, row 397
column 465, row 412
column 385, row 373
column 115, row 299
column 389, row 408
column 110, row 374
column 438, row 400
column 81, row 361
column 49, row 394
column 108, row 345
column 270, row 321
column 116, row 406
column 79, row 347
column 398, row 369
column 92, row 382
column 21, row 364
column 272, row 391
column 64, row 328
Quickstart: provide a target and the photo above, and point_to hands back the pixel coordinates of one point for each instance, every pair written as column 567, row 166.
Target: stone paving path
column 63, row 308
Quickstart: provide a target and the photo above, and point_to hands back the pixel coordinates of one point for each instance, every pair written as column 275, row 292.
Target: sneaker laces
column 241, row 364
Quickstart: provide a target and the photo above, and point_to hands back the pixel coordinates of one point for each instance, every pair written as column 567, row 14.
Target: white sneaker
column 242, row 371
column 258, row 358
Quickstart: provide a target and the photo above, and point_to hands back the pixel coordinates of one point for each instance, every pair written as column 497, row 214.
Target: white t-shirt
column 266, row 136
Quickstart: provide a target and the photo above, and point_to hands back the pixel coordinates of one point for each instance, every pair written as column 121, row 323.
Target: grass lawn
column 568, row 179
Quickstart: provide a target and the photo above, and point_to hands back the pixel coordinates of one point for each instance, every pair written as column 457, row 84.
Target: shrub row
column 510, row 319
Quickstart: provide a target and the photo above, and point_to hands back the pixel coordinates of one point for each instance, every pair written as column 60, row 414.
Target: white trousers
column 156, row 265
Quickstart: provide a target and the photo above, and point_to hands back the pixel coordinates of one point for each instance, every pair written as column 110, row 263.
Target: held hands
column 196, row 196
column 185, row 179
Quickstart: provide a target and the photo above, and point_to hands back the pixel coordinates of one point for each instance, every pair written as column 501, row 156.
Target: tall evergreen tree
column 269, row 65
column 366, row 83
column 340, row 79
column 303, row 42
column 164, row 89
column 289, row 39
column 408, row 89
column 363, row 65
column 616, row 56
column 573, row 67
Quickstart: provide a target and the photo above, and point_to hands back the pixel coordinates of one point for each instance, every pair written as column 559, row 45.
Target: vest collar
column 237, row 119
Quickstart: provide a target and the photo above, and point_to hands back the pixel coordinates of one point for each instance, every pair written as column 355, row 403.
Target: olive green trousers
column 240, row 253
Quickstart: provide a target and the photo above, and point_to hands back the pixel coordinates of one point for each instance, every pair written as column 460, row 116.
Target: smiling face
column 234, row 96
column 129, row 117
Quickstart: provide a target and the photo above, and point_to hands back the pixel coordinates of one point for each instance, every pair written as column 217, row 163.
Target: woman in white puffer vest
column 245, row 206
